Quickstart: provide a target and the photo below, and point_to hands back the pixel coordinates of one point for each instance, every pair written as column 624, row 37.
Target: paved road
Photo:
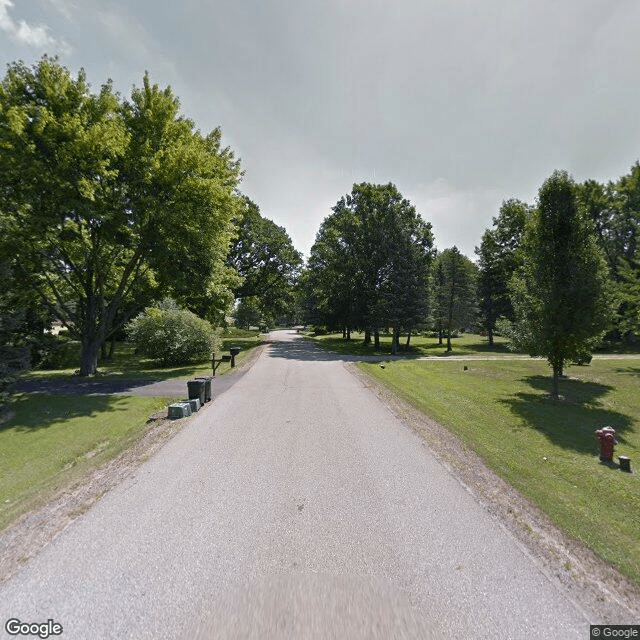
column 297, row 506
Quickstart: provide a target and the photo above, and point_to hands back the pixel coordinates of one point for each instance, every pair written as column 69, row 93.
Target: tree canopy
column 369, row 266
column 499, row 256
column 264, row 257
column 559, row 291
column 454, row 284
column 111, row 202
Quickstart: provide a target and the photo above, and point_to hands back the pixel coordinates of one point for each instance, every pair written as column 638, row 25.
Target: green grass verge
column 466, row 344
column 52, row 441
column 546, row 449
column 126, row 364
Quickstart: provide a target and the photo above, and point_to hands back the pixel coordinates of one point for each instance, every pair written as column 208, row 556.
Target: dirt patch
column 606, row 596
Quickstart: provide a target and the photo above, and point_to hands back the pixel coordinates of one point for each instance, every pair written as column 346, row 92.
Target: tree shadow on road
column 570, row 422
column 307, row 351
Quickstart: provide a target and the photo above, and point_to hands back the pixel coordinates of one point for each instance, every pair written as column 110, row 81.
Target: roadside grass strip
column 546, row 449
column 50, row 443
column 419, row 346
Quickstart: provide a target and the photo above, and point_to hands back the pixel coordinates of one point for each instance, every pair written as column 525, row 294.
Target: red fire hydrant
column 607, row 437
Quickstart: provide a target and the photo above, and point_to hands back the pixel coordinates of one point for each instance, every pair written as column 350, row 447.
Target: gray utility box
column 207, row 387
column 195, row 404
column 196, row 390
column 179, row 410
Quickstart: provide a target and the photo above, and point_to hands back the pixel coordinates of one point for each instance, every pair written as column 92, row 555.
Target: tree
column 14, row 352
column 559, row 291
column 498, row 257
column 248, row 313
column 332, row 280
column 615, row 212
column 628, row 297
column 454, row 292
column 111, row 203
column 370, row 263
column 264, row 257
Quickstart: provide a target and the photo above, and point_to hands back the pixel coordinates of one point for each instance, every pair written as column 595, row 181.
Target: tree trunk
column 344, row 333
column 406, row 346
column 490, row 335
column 367, row 336
column 554, row 384
column 112, row 348
column 376, row 339
column 449, row 347
column 395, row 340
column 348, row 333
column 440, row 336
column 103, row 351
column 89, row 356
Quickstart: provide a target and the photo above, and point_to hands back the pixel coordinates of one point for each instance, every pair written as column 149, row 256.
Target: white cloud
column 66, row 8
column 24, row 33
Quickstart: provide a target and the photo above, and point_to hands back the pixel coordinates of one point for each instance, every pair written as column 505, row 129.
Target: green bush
column 172, row 336
column 55, row 352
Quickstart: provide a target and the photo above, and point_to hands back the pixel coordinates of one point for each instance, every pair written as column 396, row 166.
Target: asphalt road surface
column 296, row 506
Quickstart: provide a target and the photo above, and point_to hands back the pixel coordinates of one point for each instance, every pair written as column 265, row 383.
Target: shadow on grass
column 570, row 422
column 630, row 371
column 31, row 414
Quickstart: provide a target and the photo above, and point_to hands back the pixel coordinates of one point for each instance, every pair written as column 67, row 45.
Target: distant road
column 296, row 506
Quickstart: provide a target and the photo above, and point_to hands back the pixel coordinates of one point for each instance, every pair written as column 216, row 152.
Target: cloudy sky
column 460, row 103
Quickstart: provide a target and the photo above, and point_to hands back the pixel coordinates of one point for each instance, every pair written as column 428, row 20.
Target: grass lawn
column 126, row 364
column 546, row 449
column 52, row 441
column 419, row 346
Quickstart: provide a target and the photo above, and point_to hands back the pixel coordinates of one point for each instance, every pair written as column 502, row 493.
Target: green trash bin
column 196, row 390
column 207, row 387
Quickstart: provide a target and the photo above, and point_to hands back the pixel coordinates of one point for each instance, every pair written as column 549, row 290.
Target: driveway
column 296, row 506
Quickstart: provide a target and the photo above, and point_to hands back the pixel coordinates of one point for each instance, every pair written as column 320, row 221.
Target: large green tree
column 264, row 257
column 559, row 291
column 370, row 263
column 333, row 279
column 455, row 278
column 110, row 202
column 499, row 256
column 615, row 212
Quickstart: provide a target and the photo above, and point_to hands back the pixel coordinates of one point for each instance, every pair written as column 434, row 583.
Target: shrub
column 172, row 336
column 49, row 351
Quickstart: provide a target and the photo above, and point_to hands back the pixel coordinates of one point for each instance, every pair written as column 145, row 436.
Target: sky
column 460, row 103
